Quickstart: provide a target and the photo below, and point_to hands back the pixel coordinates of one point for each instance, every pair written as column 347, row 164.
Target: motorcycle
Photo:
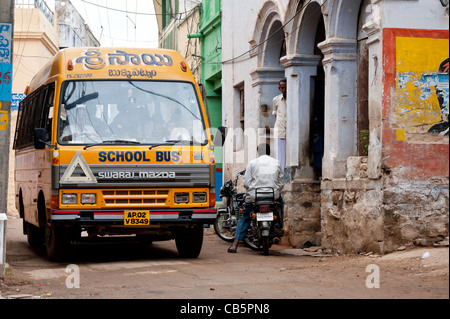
column 266, row 212
column 228, row 216
column 266, row 221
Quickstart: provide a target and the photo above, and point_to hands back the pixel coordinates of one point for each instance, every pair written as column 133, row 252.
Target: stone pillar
column 299, row 72
column 341, row 71
column 302, row 193
column 265, row 81
column 373, row 31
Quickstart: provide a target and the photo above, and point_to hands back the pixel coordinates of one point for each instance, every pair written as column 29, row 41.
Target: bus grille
column 135, row 198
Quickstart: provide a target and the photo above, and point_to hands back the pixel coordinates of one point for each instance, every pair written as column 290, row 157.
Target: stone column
column 299, row 72
column 265, row 82
column 373, row 31
column 340, row 64
column 302, row 193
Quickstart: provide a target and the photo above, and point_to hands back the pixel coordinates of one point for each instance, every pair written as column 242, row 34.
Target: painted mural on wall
column 422, row 89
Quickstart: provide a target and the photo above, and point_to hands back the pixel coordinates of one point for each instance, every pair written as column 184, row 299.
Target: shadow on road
column 107, row 249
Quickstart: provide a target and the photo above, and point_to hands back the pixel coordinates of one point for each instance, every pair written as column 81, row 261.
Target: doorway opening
column 316, row 137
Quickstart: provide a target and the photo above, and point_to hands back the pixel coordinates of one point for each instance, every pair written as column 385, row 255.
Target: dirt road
column 127, row 270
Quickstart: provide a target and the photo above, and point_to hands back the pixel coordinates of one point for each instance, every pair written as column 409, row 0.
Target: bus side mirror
column 221, row 134
column 39, row 138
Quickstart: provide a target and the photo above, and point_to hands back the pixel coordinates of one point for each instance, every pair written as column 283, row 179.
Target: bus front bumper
column 117, row 217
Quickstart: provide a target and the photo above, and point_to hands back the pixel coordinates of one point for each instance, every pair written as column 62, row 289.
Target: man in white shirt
column 262, row 172
column 279, row 110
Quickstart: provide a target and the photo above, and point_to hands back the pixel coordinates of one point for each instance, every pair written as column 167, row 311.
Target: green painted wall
column 211, row 71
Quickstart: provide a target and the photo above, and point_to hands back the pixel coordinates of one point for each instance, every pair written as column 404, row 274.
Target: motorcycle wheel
column 252, row 240
column 226, row 234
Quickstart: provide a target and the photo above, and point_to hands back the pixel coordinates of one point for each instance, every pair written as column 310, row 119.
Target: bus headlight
column 181, row 198
column 88, row 198
column 199, row 198
column 68, row 199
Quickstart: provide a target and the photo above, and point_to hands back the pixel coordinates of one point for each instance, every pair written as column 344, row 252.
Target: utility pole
column 6, row 38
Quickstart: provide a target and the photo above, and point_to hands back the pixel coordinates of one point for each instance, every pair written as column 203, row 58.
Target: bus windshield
column 135, row 112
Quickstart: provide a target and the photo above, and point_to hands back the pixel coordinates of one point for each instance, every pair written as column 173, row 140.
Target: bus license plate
column 136, row 217
column 264, row 216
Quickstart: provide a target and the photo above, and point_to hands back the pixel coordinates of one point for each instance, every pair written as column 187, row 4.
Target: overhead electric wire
column 119, row 10
column 270, row 36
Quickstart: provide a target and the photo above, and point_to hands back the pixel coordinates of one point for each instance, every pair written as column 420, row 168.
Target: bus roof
column 113, row 63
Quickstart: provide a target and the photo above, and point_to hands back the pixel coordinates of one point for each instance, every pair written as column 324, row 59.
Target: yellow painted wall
column 416, row 57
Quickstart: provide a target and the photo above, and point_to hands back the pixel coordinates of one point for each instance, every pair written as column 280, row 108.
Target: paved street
column 130, row 271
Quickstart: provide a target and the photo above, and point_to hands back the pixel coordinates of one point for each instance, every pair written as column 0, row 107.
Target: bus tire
column 56, row 242
column 189, row 242
column 35, row 235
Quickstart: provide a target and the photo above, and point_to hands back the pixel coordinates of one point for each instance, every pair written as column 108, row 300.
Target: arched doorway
column 305, row 126
column 275, row 47
column 306, row 83
column 318, row 107
column 363, row 80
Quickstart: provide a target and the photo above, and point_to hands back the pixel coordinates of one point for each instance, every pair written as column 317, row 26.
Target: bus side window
column 26, row 120
column 47, row 112
column 19, row 135
column 35, row 111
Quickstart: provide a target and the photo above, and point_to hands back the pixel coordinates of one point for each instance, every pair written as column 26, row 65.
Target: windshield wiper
column 180, row 142
column 113, row 142
column 168, row 142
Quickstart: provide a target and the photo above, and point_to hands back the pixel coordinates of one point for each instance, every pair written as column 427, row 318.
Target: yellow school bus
column 114, row 141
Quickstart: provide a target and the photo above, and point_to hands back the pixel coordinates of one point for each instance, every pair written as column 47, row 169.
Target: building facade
column 39, row 33
column 35, row 41
column 176, row 20
column 193, row 28
column 72, row 29
column 367, row 146
column 210, row 35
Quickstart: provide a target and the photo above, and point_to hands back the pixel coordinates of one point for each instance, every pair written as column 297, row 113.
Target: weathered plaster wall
column 415, row 136
column 302, row 212
column 397, row 195
column 403, row 197
column 352, row 211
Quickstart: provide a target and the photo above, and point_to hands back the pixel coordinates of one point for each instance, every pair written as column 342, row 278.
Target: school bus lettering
column 131, row 73
column 120, row 57
column 167, row 156
column 122, row 156
column 92, row 59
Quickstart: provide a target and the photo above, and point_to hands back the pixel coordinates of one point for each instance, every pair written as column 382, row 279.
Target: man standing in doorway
column 279, row 110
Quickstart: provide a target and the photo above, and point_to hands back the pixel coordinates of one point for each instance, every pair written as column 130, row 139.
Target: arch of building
column 269, row 34
column 337, row 55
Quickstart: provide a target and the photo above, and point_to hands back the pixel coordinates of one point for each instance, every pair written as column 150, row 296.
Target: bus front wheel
column 56, row 241
column 189, row 242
